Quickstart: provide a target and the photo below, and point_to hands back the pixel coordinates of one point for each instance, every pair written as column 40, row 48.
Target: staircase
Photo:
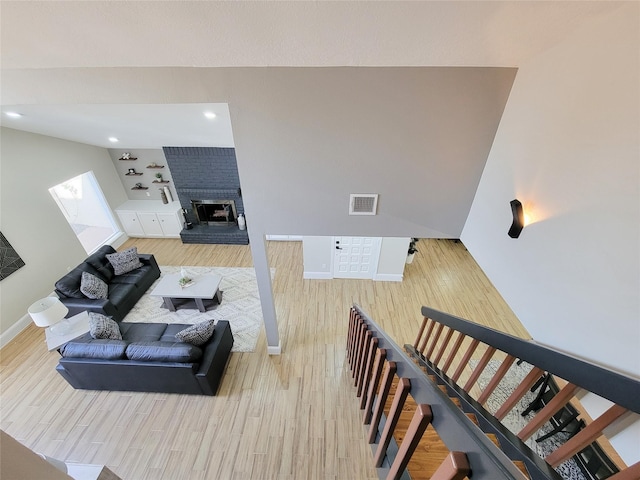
column 426, row 417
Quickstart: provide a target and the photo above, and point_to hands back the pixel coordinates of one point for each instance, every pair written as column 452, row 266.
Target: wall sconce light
column 518, row 219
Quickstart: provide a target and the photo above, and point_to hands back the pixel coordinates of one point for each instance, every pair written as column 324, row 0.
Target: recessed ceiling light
column 113, row 139
column 13, row 114
column 210, row 115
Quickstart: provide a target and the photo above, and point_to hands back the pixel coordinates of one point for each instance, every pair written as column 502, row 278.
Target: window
column 85, row 208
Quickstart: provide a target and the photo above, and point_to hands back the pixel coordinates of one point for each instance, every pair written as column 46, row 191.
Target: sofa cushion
column 69, row 285
column 103, row 327
column 93, row 287
column 197, row 334
column 169, row 334
column 135, row 277
column 124, row 261
column 100, row 262
column 142, row 332
column 119, row 293
column 100, row 348
column 163, row 352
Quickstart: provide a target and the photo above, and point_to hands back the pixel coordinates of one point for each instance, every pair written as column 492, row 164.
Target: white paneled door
column 355, row 257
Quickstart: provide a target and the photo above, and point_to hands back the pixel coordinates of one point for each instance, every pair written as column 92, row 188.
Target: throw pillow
column 103, row 327
column 93, row 287
column 197, row 334
column 124, row 261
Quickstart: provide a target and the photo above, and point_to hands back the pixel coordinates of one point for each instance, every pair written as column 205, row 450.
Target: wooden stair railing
column 416, row 430
column 431, row 347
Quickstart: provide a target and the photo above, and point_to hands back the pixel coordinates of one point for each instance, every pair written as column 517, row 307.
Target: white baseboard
column 388, row 277
column 13, row 331
column 317, row 275
column 277, row 350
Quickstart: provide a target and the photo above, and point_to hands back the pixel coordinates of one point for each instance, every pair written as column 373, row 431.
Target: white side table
column 78, row 325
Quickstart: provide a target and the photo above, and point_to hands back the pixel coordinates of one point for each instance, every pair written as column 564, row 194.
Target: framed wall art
column 10, row 261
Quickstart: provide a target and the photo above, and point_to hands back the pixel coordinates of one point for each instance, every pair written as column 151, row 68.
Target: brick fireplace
column 209, row 177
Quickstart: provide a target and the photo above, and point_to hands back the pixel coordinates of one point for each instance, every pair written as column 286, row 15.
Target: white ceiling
column 99, row 34
column 135, row 126
column 54, row 34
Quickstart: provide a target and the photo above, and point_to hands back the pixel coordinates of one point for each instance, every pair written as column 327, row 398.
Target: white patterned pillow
column 101, row 326
column 125, row 261
column 92, row 287
column 197, row 334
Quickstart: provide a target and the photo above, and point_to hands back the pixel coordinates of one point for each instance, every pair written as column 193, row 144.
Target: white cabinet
column 148, row 218
column 131, row 224
column 170, row 227
column 150, row 224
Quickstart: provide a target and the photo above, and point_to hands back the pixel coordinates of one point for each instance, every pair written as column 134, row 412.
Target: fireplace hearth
column 220, row 213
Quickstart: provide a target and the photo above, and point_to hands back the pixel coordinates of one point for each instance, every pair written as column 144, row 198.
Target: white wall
column 145, row 156
column 317, row 257
column 308, row 137
column 393, row 258
column 30, row 218
column 568, row 148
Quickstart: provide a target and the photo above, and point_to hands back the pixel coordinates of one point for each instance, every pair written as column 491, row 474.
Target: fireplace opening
column 215, row 212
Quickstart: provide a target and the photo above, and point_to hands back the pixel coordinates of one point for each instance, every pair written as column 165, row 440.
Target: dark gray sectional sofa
column 124, row 290
column 147, row 359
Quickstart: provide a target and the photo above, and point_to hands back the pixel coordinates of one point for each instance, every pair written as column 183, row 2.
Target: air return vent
column 363, row 203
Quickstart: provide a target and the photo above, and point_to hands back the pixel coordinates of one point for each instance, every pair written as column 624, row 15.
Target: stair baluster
column 383, row 393
column 362, row 358
column 402, row 390
column 381, row 355
column 495, row 380
column 419, row 423
column 443, row 347
column 366, row 372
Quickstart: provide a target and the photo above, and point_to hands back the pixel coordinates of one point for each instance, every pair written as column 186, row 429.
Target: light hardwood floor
column 292, row 416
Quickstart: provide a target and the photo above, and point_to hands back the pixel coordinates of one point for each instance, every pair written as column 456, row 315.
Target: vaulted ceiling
column 51, row 34
column 103, row 34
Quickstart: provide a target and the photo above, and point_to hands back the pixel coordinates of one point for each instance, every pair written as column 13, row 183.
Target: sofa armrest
column 149, row 259
column 101, row 305
column 214, row 358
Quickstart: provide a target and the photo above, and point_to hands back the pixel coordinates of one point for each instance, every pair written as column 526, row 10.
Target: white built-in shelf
column 161, row 181
column 137, row 174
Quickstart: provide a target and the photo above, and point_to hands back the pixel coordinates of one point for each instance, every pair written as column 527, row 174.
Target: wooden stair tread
column 431, row 451
column 494, row 439
column 428, row 456
column 522, row 467
column 473, row 418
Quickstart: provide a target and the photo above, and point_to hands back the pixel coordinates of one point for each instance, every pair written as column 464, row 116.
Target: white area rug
column 240, row 305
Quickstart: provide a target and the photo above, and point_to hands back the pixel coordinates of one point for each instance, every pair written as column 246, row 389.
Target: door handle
column 338, row 248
